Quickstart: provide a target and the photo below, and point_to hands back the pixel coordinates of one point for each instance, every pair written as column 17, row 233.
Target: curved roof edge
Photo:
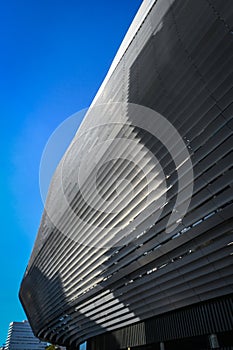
column 135, row 25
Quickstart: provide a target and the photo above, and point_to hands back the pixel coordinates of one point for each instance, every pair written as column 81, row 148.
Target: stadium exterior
column 120, row 278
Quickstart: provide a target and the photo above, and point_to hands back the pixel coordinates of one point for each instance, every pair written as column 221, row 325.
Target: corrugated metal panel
column 201, row 319
column 178, row 62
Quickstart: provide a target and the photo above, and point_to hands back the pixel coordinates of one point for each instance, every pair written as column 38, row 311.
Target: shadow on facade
column 156, row 80
column 48, row 308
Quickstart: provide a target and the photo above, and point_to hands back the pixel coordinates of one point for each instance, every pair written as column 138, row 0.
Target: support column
column 162, row 347
column 213, row 340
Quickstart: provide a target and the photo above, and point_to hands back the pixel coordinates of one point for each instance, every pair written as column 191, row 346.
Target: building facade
column 21, row 337
column 135, row 246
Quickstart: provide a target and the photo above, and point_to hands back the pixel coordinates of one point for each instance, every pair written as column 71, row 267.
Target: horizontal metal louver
column 177, row 62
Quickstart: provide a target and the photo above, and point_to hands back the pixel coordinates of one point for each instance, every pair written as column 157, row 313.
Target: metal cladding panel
column 177, row 61
column 208, row 318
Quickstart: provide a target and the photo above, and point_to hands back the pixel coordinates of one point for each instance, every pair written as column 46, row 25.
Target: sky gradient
column 54, row 56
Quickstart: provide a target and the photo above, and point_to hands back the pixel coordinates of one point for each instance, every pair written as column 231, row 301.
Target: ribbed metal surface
column 179, row 63
column 205, row 318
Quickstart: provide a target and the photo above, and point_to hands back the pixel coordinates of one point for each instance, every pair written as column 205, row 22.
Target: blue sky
column 54, row 56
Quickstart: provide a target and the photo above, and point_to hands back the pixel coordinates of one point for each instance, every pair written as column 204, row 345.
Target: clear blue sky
column 54, row 55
